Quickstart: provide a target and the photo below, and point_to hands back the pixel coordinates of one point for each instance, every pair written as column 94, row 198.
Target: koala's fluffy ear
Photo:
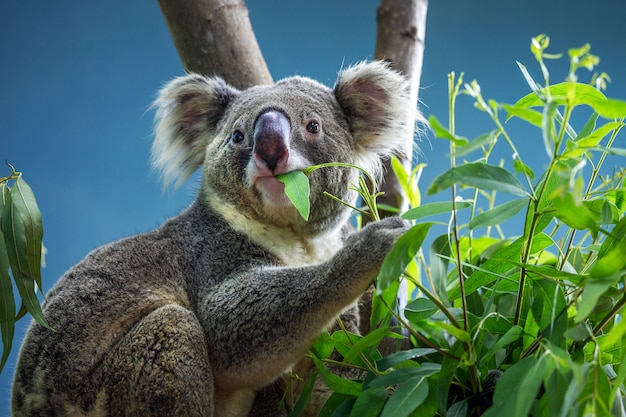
column 188, row 111
column 377, row 103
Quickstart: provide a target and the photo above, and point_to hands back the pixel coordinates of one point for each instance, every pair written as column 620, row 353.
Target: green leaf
column 323, row 346
column 604, row 274
column 548, row 128
column 370, row 402
column 529, row 79
column 478, row 143
column 608, row 108
column 588, row 128
column 458, row 409
column 401, row 255
column 17, row 244
column 521, row 167
column 407, row 398
column 582, row 93
column 373, row 338
column 26, row 208
column 7, row 300
column 420, row 309
column 575, row 215
column 444, row 133
column 609, row 350
column 479, row 175
column 498, row 214
column 401, row 356
column 460, row 334
column 297, row 190
column 531, row 116
column 335, row 382
column 550, row 311
column 517, row 388
column 432, row 209
column 512, row 335
column 336, row 402
column 398, row 376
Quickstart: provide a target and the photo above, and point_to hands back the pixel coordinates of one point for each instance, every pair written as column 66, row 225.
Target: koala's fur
column 198, row 316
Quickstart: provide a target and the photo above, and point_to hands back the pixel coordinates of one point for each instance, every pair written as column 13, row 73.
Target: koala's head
column 243, row 139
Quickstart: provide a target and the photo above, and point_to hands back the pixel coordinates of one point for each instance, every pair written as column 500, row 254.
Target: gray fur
column 205, row 315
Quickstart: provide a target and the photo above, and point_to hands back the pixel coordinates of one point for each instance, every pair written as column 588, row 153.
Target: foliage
column 21, row 233
column 514, row 324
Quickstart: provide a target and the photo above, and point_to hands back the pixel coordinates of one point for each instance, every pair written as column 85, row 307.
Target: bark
column 400, row 41
column 215, row 37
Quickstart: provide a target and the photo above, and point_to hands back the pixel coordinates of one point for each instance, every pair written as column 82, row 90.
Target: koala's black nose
column 271, row 140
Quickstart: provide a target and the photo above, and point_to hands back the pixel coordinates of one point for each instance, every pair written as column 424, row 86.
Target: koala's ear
column 188, row 110
column 377, row 103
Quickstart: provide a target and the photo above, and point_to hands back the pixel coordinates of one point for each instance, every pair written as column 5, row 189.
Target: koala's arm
column 274, row 313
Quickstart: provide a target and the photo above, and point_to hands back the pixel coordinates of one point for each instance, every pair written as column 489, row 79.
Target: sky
column 80, row 77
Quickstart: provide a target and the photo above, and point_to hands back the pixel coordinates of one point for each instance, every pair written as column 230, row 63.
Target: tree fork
column 215, row 37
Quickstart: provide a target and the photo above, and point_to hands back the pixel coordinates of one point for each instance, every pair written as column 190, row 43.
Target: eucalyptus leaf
column 420, row 309
column 431, row 209
column 517, row 388
column 370, row 402
column 26, row 208
column 335, row 382
column 401, row 356
column 444, row 133
column 7, row 300
column 531, row 116
column 474, row 144
column 550, row 311
column 297, row 190
column 406, row 398
column 479, row 175
column 16, row 242
column 399, row 376
column 575, row 215
column 498, row 214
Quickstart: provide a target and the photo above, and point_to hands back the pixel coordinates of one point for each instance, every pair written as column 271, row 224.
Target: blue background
column 78, row 79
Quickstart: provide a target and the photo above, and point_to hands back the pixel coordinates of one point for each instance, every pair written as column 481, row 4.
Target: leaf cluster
column 516, row 323
column 21, row 233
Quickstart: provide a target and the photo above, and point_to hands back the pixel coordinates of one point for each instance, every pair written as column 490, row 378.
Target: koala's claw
column 368, row 247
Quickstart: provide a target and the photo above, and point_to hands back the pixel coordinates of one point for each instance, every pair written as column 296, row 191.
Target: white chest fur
column 293, row 250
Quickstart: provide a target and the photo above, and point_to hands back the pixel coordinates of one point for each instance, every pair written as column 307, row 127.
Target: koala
column 201, row 315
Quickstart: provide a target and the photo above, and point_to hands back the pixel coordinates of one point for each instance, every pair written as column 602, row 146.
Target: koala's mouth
column 272, row 191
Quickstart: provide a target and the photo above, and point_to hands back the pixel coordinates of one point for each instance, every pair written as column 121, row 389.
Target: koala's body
column 199, row 315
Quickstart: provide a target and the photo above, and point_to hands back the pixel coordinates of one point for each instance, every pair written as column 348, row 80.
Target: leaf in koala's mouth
column 297, row 190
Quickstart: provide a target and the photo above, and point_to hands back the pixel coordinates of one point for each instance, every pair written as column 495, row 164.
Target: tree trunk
column 215, row 37
column 400, row 41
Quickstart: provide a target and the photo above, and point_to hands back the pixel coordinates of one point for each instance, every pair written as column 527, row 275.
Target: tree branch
column 400, row 41
column 215, row 37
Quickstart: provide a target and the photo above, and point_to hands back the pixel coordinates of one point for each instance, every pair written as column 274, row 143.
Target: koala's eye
column 237, row 137
column 313, row 127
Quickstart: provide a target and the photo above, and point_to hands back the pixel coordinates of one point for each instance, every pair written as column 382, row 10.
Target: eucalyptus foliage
column 21, row 233
column 528, row 322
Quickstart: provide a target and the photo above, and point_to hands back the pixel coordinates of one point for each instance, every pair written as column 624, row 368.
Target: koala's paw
column 367, row 248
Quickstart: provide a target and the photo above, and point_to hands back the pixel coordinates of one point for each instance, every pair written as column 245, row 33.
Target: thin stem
column 533, row 209
column 453, row 91
column 366, row 361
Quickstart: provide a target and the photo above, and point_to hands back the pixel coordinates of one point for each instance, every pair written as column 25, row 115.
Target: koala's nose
column 271, row 141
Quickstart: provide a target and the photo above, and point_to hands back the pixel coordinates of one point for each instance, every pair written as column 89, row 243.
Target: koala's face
column 243, row 139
